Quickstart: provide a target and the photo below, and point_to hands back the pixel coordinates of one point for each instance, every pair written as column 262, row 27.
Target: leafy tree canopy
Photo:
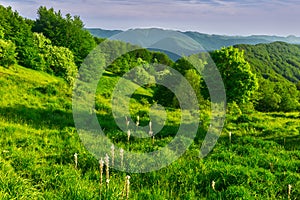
column 240, row 83
column 65, row 31
column 18, row 30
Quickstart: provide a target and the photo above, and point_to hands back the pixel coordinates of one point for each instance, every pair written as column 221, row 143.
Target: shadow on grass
column 289, row 142
column 284, row 115
column 40, row 118
column 37, row 117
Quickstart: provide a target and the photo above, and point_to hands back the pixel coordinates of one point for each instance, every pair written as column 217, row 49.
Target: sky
column 225, row 17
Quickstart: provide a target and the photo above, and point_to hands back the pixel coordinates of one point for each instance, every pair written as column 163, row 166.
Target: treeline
column 264, row 77
column 277, row 66
column 58, row 44
column 52, row 43
column 239, row 81
column 275, row 58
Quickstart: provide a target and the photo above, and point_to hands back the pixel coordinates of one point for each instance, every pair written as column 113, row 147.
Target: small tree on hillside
column 7, row 51
column 55, row 60
column 240, row 83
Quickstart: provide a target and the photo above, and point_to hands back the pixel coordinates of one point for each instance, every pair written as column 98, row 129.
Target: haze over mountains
column 209, row 42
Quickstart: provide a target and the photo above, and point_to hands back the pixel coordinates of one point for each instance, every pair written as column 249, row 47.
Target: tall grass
column 38, row 142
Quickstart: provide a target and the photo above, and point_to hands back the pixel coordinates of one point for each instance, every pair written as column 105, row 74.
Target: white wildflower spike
column 150, row 126
column 107, row 168
column 101, row 165
column 151, row 133
column 213, row 184
column 289, row 190
column 271, row 167
column 122, row 156
column 127, row 122
column 128, row 135
column 229, row 136
column 153, row 139
column 137, row 121
column 127, row 186
column 76, row 159
column 112, row 155
column 107, row 181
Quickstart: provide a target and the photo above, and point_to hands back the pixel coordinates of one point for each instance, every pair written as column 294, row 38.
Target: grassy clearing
column 38, row 142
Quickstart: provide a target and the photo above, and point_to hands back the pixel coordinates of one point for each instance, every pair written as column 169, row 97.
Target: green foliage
column 67, row 32
column 240, row 83
column 275, row 59
column 7, row 53
column 18, row 30
column 195, row 81
column 189, row 68
column 140, row 75
column 55, row 60
column 62, row 63
column 182, row 65
column 43, row 45
column 298, row 85
column 277, row 66
column 277, row 96
column 133, row 58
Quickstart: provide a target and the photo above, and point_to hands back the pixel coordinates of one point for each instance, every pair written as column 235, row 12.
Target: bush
column 55, row 60
column 7, row 53
column 62, row 63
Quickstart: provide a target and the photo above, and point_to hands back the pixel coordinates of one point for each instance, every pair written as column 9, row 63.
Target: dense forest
column 42, row 157
column 277, row 64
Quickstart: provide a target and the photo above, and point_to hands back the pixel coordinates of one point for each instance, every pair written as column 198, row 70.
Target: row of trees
column 65, row 31
column 277, row 66
column 239, row 81
column 244, row 84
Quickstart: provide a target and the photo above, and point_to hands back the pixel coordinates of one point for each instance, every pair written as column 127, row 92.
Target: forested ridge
column 278, row 66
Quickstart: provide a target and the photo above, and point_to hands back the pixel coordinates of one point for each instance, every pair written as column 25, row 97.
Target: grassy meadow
column 38, row 142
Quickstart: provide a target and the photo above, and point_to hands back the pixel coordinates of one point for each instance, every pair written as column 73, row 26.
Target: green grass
column 38, row 141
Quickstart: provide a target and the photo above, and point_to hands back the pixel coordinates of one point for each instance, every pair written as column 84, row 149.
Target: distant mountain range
column 207, row 41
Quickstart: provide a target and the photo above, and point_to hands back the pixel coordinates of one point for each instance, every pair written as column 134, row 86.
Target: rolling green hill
column 38, row 141
column 275, row 59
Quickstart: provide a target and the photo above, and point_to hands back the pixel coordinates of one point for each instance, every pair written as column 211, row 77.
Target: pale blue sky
column 231, row 17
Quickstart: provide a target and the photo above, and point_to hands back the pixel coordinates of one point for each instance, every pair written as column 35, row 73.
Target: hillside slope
column 278, row 58
column 38, row 142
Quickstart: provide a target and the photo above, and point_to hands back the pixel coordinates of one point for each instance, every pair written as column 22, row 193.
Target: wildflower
column 127, row 186
column 76, row 159
column 101, row 165
column 107, row 168
column 137, row 121
column 213, row 184
column 128, row 135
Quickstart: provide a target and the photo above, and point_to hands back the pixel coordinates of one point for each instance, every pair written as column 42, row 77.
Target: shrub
column 7, row 53
column 62, row 63
column 56, row 60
